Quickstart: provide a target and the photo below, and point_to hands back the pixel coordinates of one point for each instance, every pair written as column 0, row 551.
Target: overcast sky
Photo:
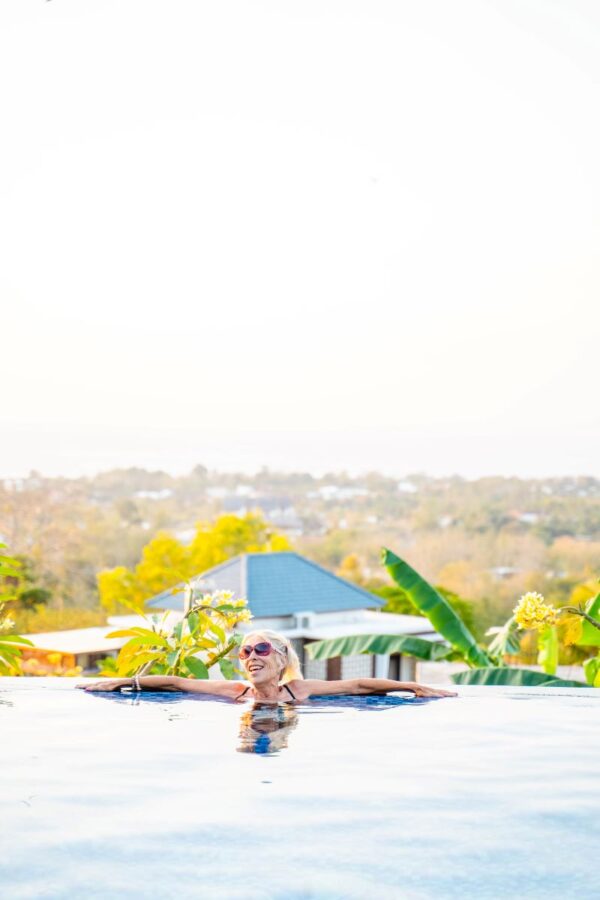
column 311, row 235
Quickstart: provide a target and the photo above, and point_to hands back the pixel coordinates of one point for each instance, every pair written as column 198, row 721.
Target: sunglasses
column 263, row 648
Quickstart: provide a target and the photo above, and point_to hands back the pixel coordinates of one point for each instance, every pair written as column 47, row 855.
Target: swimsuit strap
column 285, row 686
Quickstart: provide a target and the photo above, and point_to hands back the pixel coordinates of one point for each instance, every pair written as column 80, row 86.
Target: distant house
column 164, row 494
column 306, row 602
column 77, row 647
column 83, row 647
column 333, row 492
column 501, row 573
column 279, row 511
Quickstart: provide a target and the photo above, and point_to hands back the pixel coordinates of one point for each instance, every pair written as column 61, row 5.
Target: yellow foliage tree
column 463, row 578
column 581, row 593
column 166, row 561
column 351, row 569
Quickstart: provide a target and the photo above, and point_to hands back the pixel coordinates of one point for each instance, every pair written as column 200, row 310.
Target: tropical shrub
column 201, row 640
column 583, row 630
column 11, row 645
column 107, row 666
column 488, row 665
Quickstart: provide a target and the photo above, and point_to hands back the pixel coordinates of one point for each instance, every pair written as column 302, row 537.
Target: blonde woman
column 272, row 669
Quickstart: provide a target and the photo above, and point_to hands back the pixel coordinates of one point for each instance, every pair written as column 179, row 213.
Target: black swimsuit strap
column 248, row 688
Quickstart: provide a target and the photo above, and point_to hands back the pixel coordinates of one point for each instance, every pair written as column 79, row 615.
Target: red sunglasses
column 263, row 648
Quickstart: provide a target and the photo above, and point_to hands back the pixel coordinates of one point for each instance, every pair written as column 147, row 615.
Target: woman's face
column 261, row 669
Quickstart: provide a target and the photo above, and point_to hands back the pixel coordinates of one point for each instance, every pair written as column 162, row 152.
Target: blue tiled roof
column 277, row 584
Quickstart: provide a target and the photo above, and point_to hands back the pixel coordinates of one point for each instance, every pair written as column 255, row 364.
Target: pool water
column 493, row 794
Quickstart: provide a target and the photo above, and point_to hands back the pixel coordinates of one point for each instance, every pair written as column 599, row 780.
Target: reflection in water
column 265, row 728
column 368, row 702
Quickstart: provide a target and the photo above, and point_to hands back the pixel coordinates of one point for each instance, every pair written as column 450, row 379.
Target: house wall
column 402, row 668
column 360, row 666
column 351, row 667
column 315, row 668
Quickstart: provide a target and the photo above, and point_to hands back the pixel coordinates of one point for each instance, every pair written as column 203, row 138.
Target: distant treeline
column 485, row 540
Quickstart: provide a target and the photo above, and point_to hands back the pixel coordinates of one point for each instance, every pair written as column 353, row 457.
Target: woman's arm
column 314, row 688
column 230, row 689
column 150, row 682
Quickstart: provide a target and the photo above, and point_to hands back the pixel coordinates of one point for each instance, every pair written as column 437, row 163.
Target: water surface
column 492, row 794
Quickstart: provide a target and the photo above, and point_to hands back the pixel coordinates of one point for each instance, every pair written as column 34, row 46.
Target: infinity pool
column 494, row 794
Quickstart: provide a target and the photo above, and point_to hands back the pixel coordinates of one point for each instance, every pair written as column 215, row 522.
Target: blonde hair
column 291, row 669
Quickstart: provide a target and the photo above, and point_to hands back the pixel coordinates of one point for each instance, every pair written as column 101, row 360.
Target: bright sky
column 312, row 235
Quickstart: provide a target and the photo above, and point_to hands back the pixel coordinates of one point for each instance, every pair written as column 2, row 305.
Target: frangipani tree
column 487, row 665
column 202, row 639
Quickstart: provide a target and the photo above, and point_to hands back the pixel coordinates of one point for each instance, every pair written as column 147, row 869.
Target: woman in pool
column 272, row 667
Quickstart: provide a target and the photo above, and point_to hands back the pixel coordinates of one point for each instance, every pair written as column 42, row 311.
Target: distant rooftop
column 77, row 640
column 277, row 584
column 91, row 640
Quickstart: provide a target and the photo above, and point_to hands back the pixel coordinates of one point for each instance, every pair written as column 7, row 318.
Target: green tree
column 27, row 593
column 11, row 645
column 399, row 602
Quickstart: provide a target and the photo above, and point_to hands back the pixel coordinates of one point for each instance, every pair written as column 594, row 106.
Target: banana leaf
column 506, row 675
column 439, row 612
column 505, row 640
column 379, row 643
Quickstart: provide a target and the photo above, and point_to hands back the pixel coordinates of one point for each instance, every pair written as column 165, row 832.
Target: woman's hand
column 421, row 690
column 106, row 685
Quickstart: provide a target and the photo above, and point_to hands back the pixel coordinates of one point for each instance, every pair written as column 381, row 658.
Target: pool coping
column 28, row 683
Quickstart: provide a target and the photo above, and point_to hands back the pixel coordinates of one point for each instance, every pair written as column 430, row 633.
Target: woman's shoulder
column 301, row 688
column 240, row 689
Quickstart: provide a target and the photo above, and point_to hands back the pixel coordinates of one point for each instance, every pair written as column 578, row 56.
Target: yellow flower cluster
column 240, row 613
column 244, row 616
column 532, row 612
